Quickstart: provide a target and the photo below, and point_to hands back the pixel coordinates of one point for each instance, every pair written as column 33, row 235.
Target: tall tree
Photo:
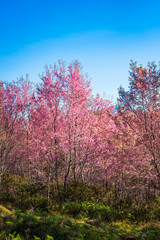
column 66, row 133
column 13, row 105
column 139, row 108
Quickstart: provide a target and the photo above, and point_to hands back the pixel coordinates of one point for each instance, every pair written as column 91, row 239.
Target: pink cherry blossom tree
column 139, row 108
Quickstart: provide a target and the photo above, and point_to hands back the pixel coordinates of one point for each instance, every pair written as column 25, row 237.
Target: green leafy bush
column 71, row 208
column 40, row 202
column 88, row 209
column 99, row 211
column 14, row 236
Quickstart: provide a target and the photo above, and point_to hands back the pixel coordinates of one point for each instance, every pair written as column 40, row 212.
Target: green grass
column 82, row 212
column 89, row 223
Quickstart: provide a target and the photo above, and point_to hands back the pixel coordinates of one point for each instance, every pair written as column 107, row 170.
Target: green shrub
column 78, row 192
column 99, row 211
column 14, row 236
column 49, row 237
column 146, row 212
column 71, row 208
column 88, row 209
column 152, row 234
column 40, row 202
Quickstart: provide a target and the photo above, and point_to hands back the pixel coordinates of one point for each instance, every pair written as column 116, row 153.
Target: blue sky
column 103, row 35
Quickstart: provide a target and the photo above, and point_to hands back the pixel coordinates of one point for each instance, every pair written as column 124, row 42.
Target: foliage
column 89, row 224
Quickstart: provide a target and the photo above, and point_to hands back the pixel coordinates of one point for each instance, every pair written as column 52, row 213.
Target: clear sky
column 103, row 35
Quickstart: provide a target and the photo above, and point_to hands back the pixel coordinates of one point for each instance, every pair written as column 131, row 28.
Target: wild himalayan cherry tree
column 66, row 140
column 45, row 126
column 131, row 172
column 105, row 130
column 139, row 109
column 83, row 117
column 13, row 105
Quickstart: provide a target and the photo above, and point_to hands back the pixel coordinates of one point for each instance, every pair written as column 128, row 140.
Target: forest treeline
column 60, row 133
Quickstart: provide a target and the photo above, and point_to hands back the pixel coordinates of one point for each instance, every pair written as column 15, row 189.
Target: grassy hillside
column 82, row 212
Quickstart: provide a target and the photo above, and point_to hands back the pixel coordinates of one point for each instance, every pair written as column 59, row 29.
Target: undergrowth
column 96, row 214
